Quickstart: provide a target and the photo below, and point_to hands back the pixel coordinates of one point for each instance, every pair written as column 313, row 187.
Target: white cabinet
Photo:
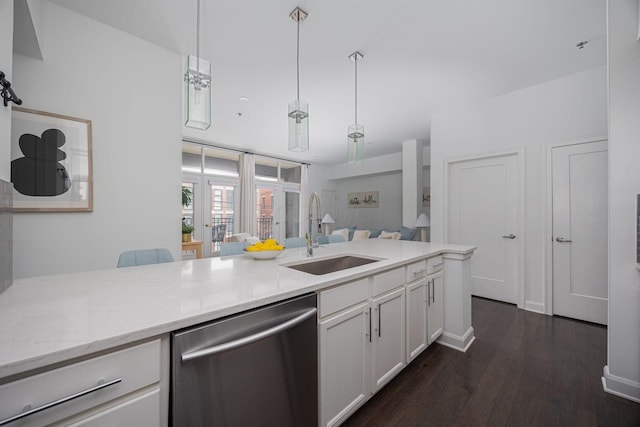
column 417, row 339
column 122, row 385
column 344, row 363
column 435, row 305
column 388, row 337
column 362, row 344
column 425, row 313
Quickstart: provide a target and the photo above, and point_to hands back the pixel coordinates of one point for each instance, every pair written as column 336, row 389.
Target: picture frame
column 51, row 162
column 363, row 199
column 426, row 196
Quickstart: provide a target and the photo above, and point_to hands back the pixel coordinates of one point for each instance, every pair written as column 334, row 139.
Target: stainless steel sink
column 331, row 265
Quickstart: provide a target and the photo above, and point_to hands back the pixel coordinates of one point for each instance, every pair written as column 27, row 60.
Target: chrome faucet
column 312, row 197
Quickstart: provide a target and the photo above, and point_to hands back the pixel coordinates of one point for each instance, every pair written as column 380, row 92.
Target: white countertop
column 46, row 320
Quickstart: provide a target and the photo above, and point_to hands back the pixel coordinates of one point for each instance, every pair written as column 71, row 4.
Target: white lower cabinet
column 362, row 344
column 344, row 364
column 140, row 411
column 117, row 388
column 417, row 338
column 388, row 337
column 435, row 306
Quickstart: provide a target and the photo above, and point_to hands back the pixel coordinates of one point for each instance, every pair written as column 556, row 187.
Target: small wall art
column 51, row 164
column 364, row 199
column 426, row 196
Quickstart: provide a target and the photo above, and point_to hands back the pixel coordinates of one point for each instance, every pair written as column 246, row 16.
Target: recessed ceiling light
column 244, row 99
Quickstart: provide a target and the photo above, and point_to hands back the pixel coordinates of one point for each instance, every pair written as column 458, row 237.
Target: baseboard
column 457, row 342
column 619, row 386
column 536, row 307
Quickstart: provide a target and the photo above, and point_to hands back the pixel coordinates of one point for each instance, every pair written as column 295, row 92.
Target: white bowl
column 264, row 254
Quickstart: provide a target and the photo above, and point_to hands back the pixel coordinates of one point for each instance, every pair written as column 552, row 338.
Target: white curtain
column 248, row 194
column 304, row 204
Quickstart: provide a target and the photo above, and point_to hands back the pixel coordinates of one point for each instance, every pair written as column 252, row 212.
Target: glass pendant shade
column 298, row 126
column 355, row 144
column 198, row 93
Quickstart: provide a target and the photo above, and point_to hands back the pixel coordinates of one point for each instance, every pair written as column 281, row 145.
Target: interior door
column 483, row 211
column 579, row 215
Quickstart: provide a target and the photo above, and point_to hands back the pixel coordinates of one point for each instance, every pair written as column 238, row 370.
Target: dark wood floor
column 524, row 369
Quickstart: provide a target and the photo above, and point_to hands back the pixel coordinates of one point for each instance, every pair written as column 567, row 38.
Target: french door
column 277, row 211
column 214, row 210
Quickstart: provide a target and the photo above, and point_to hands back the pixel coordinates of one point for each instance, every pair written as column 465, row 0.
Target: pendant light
column 355, row 133
column 198, row 88
column 298, row 110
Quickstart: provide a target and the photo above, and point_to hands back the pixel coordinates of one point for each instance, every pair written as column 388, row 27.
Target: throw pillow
column 407, row 233
column 361, row 235
column 344, row 232
column 394, row 235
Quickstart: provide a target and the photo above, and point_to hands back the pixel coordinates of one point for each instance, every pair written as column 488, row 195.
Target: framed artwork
column 364, row 199
column 426, row 196
column 51, row 164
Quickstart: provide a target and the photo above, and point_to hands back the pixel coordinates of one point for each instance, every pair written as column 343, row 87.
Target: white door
column 579, row 215
column 212, row 211
column 388, row 353
column 483, row 211
column 435, row 306
column 344, row 364
column 416, row 305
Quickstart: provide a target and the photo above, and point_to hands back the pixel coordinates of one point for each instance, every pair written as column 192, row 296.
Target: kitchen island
column 56, row 320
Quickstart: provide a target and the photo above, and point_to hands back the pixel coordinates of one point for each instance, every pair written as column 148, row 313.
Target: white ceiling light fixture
column 198, row 88
column 355, row 134
column 298, row 110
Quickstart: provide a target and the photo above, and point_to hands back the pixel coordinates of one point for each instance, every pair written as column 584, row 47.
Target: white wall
column 387, row 216
column 131, row 92
column 566, row 109
column 622, row 373
column 6, row 61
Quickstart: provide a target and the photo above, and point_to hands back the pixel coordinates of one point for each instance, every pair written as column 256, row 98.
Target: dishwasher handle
column 240, row 342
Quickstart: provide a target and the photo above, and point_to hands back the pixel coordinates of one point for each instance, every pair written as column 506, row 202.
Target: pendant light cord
column 198, row 39
column 355, row 60
column 298, row 58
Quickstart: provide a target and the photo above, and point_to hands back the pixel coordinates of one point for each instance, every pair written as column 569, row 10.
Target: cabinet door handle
column 509, row 236
column 379, row 320
column 369, row 324
column 433, row 290
column 28, row 411
column 563, row 240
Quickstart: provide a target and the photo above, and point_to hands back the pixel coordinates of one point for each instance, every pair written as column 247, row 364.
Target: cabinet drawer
column 343, row 296
column 125, row 370
column 416, row 271
column 387, row 281
column 435, row 264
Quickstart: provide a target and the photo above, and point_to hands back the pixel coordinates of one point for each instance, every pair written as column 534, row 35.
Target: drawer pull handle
column 101, row 384
column 437, row 265
column 419, row 272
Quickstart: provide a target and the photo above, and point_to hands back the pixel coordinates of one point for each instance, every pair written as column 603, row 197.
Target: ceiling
column 421, row 57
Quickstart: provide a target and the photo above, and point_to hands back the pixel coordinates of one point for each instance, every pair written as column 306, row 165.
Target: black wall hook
column 7, row 93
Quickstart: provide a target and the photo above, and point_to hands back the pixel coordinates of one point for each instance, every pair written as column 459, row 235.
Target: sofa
column 360, row 233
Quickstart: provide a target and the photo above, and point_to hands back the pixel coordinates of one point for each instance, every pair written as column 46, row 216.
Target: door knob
column 509, row 236
column 563, row 240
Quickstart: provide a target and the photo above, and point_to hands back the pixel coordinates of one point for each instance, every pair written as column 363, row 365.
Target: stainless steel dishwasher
column 257, row 368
